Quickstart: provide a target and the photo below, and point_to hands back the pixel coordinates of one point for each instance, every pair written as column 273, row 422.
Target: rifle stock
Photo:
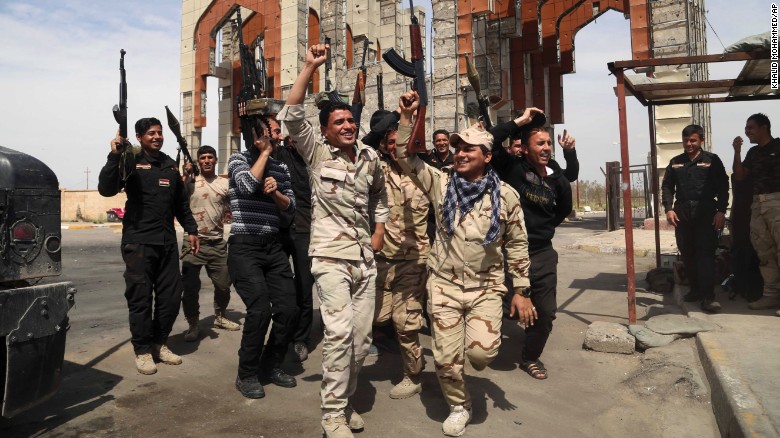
column 359, row 96
column 414, row 69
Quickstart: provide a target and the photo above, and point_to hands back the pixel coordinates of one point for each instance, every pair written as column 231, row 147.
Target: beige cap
column 475, row 134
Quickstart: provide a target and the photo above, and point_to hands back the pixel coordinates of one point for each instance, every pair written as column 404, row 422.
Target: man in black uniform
column 295, row 236
column 155, row 194
column 696, row 180
column 545, row 196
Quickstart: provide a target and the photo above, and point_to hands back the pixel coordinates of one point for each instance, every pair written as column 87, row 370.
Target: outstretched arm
column 423, row 175
column 740, row 171
column 109, row 182
column 568, row 143
column 315, row 57
column 293, row 115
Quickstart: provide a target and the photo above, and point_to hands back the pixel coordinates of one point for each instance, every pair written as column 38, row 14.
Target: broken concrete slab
column 680, row 324
column 609, row 337
column 646, row 338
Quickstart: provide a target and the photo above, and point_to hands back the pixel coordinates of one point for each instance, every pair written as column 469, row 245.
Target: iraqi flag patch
column 143, row 166
column 165, row 182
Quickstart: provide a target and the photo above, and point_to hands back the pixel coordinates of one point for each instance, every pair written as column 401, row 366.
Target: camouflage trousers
column 765, row 237
column 466, row 323
column 212, row 255
column 346, row 290
column 400, row 289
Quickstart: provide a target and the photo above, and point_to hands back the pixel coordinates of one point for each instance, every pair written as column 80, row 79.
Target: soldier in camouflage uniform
column 348, row 191
column 475, row 213
column 401, row 271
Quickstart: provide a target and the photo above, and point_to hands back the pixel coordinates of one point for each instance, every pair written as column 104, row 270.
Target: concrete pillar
column 295, row 15
column 677, row 28
column 445, row 95
column 333, row 25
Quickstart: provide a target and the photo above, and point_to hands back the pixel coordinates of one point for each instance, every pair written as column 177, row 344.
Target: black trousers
column 296, row 246
column 543, row 274
column 263, row 279
column 697, row 242
column 153, row 292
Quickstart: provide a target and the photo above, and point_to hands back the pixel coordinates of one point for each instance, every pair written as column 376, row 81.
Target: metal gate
column 641, row 194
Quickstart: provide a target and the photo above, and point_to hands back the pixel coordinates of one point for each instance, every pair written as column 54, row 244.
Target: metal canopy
column 752, row 83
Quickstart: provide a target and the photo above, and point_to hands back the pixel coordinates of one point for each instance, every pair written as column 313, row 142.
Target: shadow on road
column 606, row 281
column 83, row 389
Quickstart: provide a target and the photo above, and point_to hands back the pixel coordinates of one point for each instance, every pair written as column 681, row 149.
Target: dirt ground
column 588, row 394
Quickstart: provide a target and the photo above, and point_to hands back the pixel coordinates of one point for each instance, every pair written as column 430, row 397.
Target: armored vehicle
column 33, row 311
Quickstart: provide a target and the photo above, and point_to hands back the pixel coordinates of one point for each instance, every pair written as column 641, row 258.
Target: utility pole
column 87, row 172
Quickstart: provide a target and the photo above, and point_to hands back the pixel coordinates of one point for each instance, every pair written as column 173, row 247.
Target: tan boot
column 191, row 335
column 455, row 424
column 354, row 420
column 408, row 387
column 335, row 426
column 145, row 364
column 223, row 323
column 166, row 356
column 765, row 302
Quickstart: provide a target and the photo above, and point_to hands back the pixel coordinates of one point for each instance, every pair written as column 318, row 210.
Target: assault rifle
column 359, row 97
column 173, row 124
column 250, row 100
column 380, row 98
column 127, row 157
column 414, row 69
column 120, row 110
column 473, row 77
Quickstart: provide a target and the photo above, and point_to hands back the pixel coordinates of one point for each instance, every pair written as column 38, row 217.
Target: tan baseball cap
column 475, row 134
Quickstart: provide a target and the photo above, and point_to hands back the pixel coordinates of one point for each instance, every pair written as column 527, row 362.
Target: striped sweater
column 255, row 213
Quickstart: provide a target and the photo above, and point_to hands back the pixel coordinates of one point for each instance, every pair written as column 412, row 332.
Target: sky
column 60, row 65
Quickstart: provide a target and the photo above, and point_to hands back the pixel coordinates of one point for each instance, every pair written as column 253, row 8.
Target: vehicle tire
column 112, row 217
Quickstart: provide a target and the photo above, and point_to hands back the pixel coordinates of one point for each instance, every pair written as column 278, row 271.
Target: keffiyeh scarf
column 462, row 195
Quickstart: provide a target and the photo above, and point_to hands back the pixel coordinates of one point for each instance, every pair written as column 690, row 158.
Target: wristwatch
column 526, row 292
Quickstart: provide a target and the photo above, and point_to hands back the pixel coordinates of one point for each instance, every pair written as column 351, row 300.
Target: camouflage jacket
column 462, row 259
column 209, row 203
column 406, row 230
column 345, row 196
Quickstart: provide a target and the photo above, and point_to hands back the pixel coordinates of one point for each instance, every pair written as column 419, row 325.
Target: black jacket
column 508, row 129
column 702, row 179
column 155, row 194
column 546, row 201
column 301, row 220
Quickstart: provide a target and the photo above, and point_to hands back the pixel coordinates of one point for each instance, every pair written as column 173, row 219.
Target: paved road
column 588, row 394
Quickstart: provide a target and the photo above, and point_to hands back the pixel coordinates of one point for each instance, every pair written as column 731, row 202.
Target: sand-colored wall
column 89, row 203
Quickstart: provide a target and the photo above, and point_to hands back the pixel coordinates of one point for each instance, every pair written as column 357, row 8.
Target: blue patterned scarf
column 462, row 195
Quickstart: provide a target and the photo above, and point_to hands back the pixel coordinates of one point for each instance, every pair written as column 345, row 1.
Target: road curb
column 88, row 226
column 614, row 250
column 737, row 410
